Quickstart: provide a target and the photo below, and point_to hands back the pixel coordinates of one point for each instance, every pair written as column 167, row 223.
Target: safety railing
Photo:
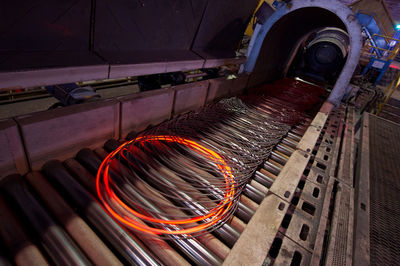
column 388, row 53
column 389, row 92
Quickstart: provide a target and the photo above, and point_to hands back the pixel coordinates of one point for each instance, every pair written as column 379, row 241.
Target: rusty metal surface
column 384, row 191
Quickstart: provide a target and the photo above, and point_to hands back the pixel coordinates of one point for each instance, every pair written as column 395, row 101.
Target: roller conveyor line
column 61, row 206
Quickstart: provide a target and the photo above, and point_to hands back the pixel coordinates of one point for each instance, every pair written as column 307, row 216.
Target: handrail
column 389, row 92
column 392, row 52
column 385, row 36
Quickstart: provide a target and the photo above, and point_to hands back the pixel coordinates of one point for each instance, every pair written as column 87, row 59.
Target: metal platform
column 377, row 211
column 391, row 111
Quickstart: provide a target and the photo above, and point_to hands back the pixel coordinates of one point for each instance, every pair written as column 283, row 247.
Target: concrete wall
column 190, row 96
column 12, row 155
column 143, row 109
column 381, row 11
column 61, row 133
column 222, row 87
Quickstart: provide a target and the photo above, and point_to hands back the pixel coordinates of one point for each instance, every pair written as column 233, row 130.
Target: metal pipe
column 94, row 248
column 124, row 243
column 263, row 179
column 298, row 131
column 158, row 246
column 294, row 136
column 84, row 177
column 289, row 142
column 198, row 253
column 22, row 249
column 249, row 202
column 278, row 158
column 60, row 247
column 228, row 234
column 253, row 193
column 267, row 174
column 191, row 248
column 284, row 150
column 272, row 167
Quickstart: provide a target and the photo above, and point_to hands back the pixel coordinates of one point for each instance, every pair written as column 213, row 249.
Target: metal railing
column 389, row 53
column 389, row 92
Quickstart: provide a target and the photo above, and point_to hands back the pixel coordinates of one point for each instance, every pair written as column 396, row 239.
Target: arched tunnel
column 277, row 45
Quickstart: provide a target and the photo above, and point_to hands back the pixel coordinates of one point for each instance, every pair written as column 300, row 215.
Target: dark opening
column 301, row 184
column 308, row 208
column 315, row 192
column 295, row 200
column 304, row 232
column 283, row 38
column 286, row 221
column 296, row 260
column 275, row 247
column 321, row 166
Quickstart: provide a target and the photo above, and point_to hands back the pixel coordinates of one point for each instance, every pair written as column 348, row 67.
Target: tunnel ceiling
column 281, row 40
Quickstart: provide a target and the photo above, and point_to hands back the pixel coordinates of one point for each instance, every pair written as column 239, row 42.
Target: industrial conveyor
column 249, row 166
column 295, row 207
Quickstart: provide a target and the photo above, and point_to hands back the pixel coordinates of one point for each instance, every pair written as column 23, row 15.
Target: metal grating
column 341, row 231
column 384, row 191
column 310, row 204
column 340, row 239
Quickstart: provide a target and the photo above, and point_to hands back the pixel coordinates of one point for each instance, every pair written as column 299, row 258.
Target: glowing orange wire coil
column 207, row 220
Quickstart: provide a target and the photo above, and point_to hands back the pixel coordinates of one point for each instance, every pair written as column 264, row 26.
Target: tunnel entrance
column 275, row 45
column 320, row 56
column 284, row 38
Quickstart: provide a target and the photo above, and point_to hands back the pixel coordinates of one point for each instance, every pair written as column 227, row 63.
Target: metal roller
column 94, row 248
column 57, row 243
column 124, row 243
column 253, row 193
column 263, row 179
column 23, row 251
column 225, row 232
column 272, row 168
column 190, row 247
column 158, row 246
column 206, row 239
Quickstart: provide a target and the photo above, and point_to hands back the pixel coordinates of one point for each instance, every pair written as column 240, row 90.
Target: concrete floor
column 37, row 105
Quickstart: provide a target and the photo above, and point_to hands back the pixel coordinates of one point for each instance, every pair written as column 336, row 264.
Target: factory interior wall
column 29, row 141
column 380, row 9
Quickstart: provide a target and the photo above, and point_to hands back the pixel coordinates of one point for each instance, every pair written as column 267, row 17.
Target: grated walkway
column 384, row 191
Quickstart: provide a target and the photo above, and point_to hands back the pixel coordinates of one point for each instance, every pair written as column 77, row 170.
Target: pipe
column 22, row 249
column 59, row 246
column 190, row 247
column 227, row 233
column 124, row 243
column 158, row 246
column 94, row 248
column 253, row 193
